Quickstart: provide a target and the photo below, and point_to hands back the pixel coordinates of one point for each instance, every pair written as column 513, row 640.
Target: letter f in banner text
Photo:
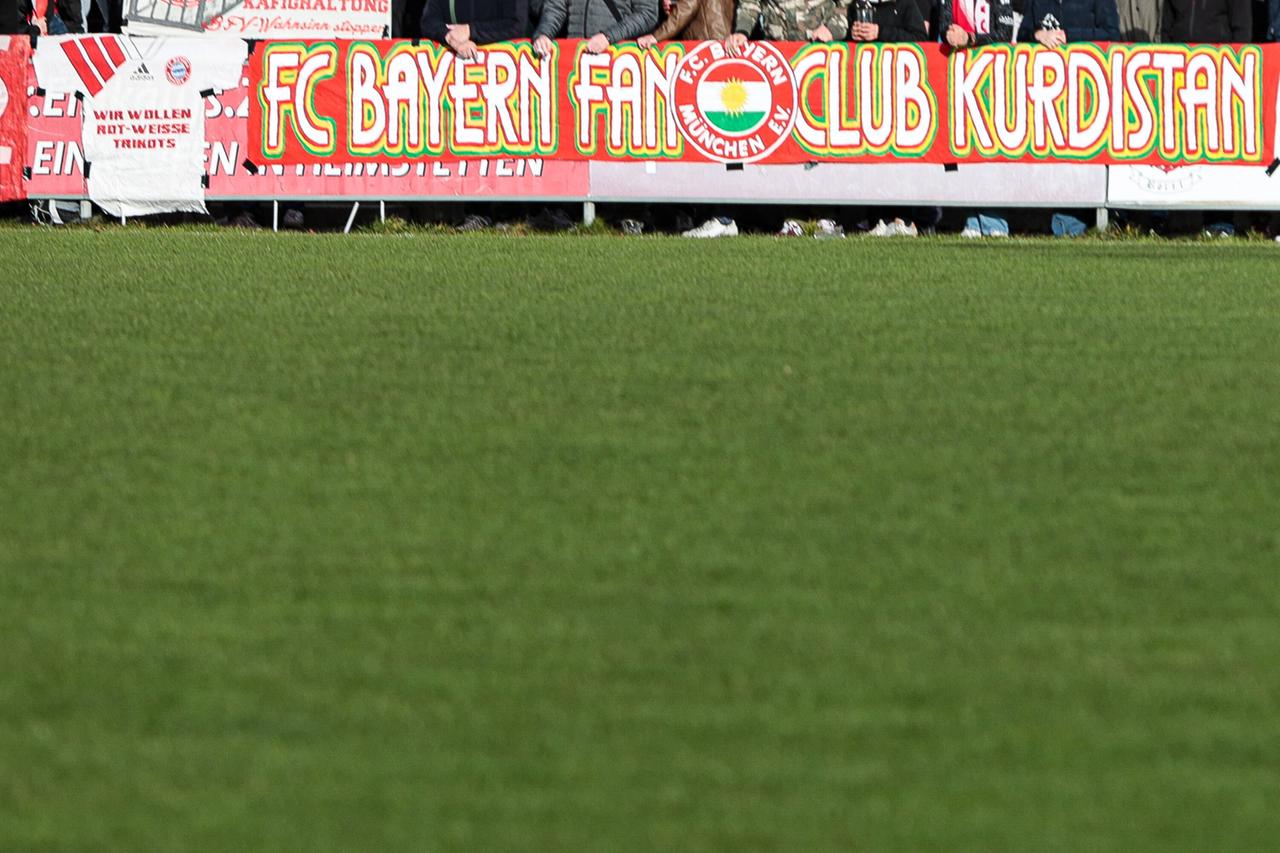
column 292, row 71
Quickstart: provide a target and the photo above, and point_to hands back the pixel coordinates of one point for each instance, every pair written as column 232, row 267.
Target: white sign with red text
column 260, row 19
column 142, row 102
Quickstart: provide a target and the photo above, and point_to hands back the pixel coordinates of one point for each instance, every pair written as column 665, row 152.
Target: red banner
column 392, row 102
column 14, row 54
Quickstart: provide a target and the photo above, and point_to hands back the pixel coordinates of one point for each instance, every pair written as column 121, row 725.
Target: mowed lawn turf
column 432, row 543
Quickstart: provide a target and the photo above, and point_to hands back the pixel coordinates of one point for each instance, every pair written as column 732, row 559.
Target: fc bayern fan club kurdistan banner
column 142, row 125
column 385, row 101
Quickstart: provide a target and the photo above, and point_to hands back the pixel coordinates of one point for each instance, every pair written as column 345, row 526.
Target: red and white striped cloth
column 96, row 59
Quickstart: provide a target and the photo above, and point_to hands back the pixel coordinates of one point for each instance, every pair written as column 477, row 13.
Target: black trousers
column 105, row 16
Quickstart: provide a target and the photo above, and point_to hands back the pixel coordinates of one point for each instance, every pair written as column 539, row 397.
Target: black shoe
column 551, row 220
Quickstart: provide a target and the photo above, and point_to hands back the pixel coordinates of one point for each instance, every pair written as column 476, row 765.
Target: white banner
column 1204, row 187
column 260, row 19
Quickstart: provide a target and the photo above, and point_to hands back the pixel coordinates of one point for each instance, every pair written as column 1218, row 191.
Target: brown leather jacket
column 697, row 20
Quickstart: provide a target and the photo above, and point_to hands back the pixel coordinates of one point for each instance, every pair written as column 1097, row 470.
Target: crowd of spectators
column 961, row 23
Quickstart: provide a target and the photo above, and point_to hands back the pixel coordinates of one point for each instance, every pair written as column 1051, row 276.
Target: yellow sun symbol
column 733, row 96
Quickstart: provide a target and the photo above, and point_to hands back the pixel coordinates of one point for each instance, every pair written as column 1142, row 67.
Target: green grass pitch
column 427, row 543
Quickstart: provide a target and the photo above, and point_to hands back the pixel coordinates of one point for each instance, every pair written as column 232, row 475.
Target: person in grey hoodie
column 601, row 22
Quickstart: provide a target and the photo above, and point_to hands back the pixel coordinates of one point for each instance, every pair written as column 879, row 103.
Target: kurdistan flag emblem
column 735, row 97
column 734, row 109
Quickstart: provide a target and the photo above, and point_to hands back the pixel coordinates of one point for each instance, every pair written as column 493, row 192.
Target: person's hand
column 735, row 43
column 42, row 26
column 466, row 50
column 543, row 46
column 598, row 43
column 863, row 31
column 456, row 36
column 1051, row 38
column 822, row 34
column 646, row 42
column 956, row 36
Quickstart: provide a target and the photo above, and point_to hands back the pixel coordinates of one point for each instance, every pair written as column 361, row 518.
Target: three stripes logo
column 96, row 60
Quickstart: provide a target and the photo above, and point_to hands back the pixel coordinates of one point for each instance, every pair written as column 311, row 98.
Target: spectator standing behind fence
column 697, row 20
column 929, row 14
column 1214, row 21
column 601, row 22
column 1053, row 23
column 464, row 24
column 891, row 21
column 694, row 20
column 789, row 20
column 1139, row 20
column 973, row 23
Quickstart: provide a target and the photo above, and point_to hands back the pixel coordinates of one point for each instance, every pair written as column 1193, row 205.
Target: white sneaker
column 881, row 230
column 791, row 228
column 971, row 233
column 829, row 230
column 713, row 227
column 898, row 228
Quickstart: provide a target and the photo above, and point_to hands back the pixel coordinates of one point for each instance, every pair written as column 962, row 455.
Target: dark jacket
column 490, row 20
column 580, row 19
column 1221, row 21
column 1082, row 20
column 898, row 20
column 697, row 20
column 929, row 14
column 1001, row 23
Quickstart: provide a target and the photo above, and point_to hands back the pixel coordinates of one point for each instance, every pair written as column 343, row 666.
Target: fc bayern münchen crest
column 178, row 70
column 734, row 109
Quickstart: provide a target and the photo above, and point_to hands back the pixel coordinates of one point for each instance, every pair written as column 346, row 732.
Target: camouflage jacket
column 792, row 20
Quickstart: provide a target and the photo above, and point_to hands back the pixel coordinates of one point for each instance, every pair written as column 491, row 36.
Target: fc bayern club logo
column 734, row 109
column 178, row 70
